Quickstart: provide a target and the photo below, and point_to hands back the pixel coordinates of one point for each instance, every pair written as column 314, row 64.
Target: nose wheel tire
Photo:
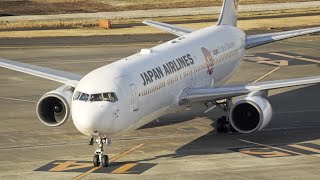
column 105, row 161
column 100, row 157
column 96, row 161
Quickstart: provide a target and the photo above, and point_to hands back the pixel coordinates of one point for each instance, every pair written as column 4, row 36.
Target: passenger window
column 96, row 97
column 84, row 97
column 76, row 95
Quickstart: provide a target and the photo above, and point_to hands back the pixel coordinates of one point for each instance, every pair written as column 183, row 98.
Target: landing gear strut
column 99, row 157
column 223, row 124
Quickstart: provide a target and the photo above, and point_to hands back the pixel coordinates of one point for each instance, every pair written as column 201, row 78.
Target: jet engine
column 250, row 114
column 53, row 109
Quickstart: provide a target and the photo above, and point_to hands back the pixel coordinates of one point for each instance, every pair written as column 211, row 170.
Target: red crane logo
column 209, row 60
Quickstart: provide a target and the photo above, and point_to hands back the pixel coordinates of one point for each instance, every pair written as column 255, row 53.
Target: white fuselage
column 148, row 84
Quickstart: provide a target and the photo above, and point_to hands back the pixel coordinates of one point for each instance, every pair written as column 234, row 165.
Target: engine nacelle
column 250, row 114
column 53, row 109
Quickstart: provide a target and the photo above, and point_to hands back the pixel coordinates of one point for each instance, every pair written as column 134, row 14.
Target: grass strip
column 250, row 24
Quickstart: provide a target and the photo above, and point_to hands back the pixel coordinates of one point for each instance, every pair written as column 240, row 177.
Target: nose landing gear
column 99, row 157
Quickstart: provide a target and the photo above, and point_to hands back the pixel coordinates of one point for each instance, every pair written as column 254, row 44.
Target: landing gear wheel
column 96, row 161
column 222, row 125
column 232, row 129
column 105, row 161
column 99, row 157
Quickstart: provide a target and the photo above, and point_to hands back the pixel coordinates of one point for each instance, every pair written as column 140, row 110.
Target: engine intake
column 250, row 114
column 53, row 108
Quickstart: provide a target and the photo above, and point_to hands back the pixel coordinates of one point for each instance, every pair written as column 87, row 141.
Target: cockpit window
column 84, row 97
column 96, row 97
column 110, row 96
column 76, row 95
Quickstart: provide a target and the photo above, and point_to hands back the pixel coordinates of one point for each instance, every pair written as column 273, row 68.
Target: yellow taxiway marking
column 267, row 74
column 305, row 148
column 111, row 160
column 270, row 154
column 125, row 153
column 277, row 148
column 296, row 57
column 86, row 173
column 124, row 168
column 65, row 166
column 265, row 60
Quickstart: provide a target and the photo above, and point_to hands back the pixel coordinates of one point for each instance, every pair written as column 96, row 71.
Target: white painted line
column 296, row 57
column 16, row 99
column 300, row 111
column 267, row 74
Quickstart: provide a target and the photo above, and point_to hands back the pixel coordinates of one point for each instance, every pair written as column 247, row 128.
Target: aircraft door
column 134, row 97
column 192, row 74
column 198, row 80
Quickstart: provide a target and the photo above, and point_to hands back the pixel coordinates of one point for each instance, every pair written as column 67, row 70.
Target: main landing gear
column 99, row 157
column 223, row 124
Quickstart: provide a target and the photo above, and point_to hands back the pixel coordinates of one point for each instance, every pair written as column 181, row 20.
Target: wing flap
column 257, row 40
column 193, row 95
column 179, row 31
column 47, row 73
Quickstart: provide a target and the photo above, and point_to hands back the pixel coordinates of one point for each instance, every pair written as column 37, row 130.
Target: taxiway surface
column 179, row 146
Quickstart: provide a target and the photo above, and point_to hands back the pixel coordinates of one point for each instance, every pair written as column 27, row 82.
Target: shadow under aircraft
column 295, row 119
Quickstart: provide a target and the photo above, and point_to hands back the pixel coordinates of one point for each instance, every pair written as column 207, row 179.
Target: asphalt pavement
column 177, row 146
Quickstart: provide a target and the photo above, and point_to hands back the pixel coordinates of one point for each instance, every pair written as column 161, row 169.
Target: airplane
column 167, row 78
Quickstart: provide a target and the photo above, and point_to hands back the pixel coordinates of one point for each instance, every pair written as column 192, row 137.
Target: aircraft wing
column 192, row 95
column 179, row 31
column 257, row 40
column 47, row 73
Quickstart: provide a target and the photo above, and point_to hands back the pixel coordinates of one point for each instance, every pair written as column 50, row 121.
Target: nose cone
column 86, row 117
